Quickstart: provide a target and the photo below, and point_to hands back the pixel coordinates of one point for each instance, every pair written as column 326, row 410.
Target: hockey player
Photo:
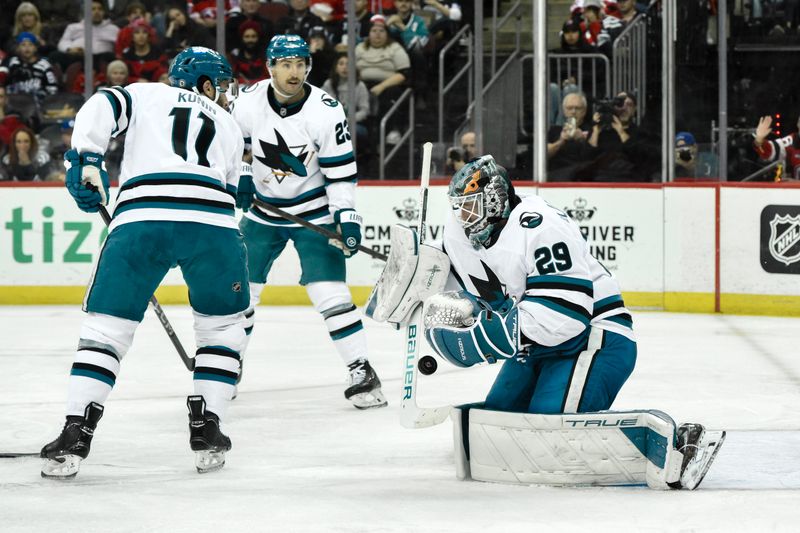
column 175, row 207
column 533, row 297
column 303, row 162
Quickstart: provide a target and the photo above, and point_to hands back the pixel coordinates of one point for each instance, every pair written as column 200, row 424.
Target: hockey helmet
column 196, row 62
column 481, row 197
column 287, row 46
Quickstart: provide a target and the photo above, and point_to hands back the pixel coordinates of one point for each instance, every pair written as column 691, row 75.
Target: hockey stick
column 162, row 316
column 12, row 455
column 412, row 415
column 314, row 227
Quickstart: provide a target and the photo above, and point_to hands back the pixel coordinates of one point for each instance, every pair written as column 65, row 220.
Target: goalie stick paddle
column 314, row 227
column 412, row 415
column 162, row 316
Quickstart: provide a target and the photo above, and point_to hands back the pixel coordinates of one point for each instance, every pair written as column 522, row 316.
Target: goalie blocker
column 603, row 448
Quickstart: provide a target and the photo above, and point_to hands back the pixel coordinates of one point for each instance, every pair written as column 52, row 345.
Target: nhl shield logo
column 784, row 239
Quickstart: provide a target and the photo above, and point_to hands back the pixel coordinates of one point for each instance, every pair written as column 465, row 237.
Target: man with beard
column 247, row 60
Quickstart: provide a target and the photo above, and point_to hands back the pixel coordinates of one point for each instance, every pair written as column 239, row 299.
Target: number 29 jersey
column 541, row 260
column 181, row 157
column 303, row 158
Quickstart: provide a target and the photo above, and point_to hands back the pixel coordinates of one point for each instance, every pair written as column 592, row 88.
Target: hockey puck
column 427, row 365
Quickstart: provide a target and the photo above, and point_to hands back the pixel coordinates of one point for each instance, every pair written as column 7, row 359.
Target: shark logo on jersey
column 281, row 160
column 580, row 211
column 490, row 289
column 530, row 220
column 784, row 239
column 328, row 101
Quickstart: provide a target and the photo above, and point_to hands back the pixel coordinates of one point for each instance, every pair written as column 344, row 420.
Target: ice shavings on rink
column 304, row 459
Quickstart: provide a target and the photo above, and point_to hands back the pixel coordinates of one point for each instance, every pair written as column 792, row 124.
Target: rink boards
column 733, row 248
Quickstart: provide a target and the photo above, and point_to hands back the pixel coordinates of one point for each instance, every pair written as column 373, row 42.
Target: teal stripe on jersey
column 328, row 161
column 619, row 320
column 174, row 205
column 231, row 188
column 346, row 331
column 182, row 176
column 115, row 106
column 583, row 319
column 215, row 377
column 93, row 375
column 288, row 202
column 605, row 301
column 578, row 282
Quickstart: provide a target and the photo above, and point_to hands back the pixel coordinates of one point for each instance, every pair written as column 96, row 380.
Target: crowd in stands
column 42, row 80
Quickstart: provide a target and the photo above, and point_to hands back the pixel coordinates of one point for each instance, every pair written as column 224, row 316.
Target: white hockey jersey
column 181, row 158
column 303, row 159
column 542, row 261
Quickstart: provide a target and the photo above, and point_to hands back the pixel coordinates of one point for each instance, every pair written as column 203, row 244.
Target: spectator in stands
column 72, row 43
column 594, row 31
column 135, row 11
column 786, row 149
column 410, row 30
column 248, row 13
column 183, row 32
column 336, row 86
column 623, row 152
column 204, row 12
column 468, row 141
column 323, row 58
column 685, row 155
column 567, row 146
column 300, row 19
column 383, row 65
column 363, row 14
column 27, row 19
column 455, row 160
column 248, row 59
column 117, row 73
column 24, row 160
column 572, row 39
column 144, row 58
column 26, row 72
column 56, row 151
column 446, row 19
column 9, row 121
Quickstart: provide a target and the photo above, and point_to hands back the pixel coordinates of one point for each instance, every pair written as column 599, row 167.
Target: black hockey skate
column 365, row 387
column 699, row 448
column 205, row 437
column 64, row 455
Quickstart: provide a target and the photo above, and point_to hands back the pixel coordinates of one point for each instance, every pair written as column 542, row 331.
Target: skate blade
column 209, row 461
column 698, row 467
column 62, row 467
column 369, row 400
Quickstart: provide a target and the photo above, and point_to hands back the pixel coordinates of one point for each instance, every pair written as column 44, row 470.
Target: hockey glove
column 87, row 179
column 246, row 188
column 491, row 337
column 349, row 225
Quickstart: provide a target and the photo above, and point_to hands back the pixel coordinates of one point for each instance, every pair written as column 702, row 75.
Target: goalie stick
column 162, row 316
column 411, row 414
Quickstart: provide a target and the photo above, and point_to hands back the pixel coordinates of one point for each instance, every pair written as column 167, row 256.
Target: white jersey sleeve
column 106, row 114
column 336, row 157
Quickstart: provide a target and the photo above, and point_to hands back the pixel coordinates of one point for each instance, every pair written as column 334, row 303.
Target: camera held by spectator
column 685, row 155
column 455, row 158
column 607, row 109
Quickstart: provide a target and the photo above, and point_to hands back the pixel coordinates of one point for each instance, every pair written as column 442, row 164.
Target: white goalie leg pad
column 605, row 448
column 413, row 272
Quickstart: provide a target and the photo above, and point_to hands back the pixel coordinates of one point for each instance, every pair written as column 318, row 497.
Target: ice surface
column 304, row 459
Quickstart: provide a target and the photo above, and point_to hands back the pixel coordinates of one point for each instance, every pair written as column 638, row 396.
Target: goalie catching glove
column 349, row 225
column 466, row 333
column 87, row 179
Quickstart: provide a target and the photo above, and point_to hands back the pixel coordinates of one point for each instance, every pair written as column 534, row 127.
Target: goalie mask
column 481, row 197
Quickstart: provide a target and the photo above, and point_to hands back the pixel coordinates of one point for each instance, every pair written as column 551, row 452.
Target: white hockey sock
column 104, row 342
column 343, row 320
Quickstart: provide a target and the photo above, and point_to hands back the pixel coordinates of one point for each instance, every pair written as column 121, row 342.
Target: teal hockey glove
column 246, row 189
column 491, row 337
column 349, row 223
column 87, row 179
